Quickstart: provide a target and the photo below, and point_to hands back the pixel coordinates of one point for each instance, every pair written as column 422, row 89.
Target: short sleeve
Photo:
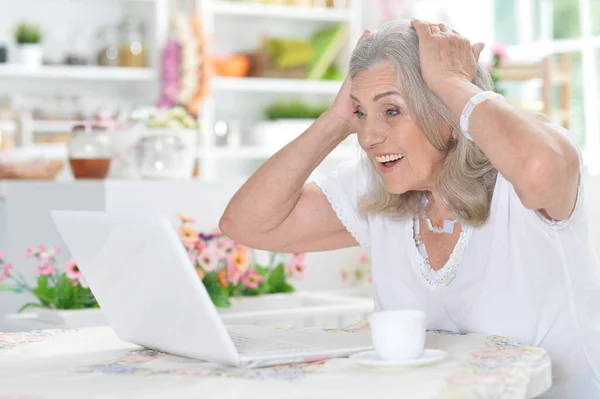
column 539, row 217
column 343, row 188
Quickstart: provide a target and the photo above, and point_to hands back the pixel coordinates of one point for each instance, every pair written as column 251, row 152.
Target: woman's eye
column 392, row 112
column 359, row 113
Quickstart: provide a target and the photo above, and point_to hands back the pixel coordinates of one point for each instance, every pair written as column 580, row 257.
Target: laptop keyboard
column 259, row 346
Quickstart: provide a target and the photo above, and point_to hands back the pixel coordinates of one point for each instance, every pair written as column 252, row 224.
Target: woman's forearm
column 271, row 193
column 530, row 154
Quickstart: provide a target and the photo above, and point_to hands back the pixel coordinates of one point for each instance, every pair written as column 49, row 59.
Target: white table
column 94, row 363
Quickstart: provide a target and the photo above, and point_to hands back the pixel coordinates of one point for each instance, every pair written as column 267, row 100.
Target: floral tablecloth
column 94, row 363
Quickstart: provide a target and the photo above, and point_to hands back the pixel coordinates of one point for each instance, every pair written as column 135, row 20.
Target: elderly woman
column 471, row 208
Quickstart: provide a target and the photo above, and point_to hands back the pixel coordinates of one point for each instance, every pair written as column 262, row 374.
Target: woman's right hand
column 342, row 105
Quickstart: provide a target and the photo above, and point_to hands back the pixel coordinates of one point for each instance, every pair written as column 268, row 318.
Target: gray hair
column 466, row 182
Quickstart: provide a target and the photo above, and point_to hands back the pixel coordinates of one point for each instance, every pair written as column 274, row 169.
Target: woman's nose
column 372, row 134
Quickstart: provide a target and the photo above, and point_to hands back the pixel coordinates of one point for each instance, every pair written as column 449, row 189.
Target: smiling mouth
column 389, row 161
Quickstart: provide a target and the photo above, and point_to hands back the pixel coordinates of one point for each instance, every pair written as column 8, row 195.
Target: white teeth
column 389, row 158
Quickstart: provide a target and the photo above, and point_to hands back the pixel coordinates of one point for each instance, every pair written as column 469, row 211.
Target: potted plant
column 28, row 38
column 61, row 291
column 284, row 121
column 232, row 273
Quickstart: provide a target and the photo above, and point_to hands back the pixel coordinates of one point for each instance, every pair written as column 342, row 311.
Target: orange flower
column 223, row 277
column 188, row 235
column 200, row 273
column 240, row 261
column 185, row 219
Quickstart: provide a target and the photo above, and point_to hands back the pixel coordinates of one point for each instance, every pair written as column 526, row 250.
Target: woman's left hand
column 445, row 55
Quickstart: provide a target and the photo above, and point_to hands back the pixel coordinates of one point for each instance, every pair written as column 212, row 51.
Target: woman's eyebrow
column 387, row 93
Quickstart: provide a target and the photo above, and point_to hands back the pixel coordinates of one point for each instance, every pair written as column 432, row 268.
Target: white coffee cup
column 398, row 334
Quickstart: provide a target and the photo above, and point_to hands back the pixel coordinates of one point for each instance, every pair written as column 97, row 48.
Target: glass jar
column 108, row 46
column 89, row 151
column 132, row 51
column 160, row 156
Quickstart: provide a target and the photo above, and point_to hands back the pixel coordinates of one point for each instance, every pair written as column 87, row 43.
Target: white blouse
column 518, row 275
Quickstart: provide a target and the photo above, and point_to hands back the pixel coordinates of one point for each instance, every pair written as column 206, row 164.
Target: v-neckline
column 444, row 276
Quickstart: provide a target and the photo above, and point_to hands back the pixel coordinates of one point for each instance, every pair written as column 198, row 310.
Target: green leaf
column 65, row 293
column 218, row 294
column 42, row 283
column 287, row 288
column 220, row 298
column 276, row 279
column 45, row 294
column 30, row 305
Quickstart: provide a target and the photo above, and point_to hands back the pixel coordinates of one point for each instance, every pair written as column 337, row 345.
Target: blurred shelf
column 53, row 152
column 121, row 1
column 68, row 72
column 272, row 85
column 7, row 125
column 49, row 127
column 262, row 153
column 281, row 11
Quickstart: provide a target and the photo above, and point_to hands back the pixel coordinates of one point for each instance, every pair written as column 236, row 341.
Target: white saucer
column 369, row 358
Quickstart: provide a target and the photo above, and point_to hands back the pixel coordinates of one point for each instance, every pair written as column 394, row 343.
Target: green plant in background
column 28, row 33
column 57, row 287
column 293, row 110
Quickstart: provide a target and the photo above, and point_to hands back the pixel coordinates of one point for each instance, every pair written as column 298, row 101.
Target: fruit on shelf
column 232, row 66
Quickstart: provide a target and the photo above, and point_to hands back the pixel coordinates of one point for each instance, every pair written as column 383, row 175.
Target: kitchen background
column 169, row 105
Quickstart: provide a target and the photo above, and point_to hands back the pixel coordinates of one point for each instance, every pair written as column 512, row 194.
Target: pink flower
column 35, row 251
column 500, row 50
column 239, row 260
column 252, row 279
column 50, row 254
column 82, row 282
column 1, row 255
column 298, row 270
column 208, row 259
column 199, row 246
column 47, row 270
column 233, row 273
column 5, row 272
column 344, row 275
column 71, row 270
column 363, row 258
column 44, row 267
column 297, row 267
column 188, row 235
column 185, row 219
column 227, row 247
column 299, row 258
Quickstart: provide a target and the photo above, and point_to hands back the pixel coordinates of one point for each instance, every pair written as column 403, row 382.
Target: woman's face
column 400, row 152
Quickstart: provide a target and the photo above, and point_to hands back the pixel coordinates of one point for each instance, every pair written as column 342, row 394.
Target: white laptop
column 150, row 294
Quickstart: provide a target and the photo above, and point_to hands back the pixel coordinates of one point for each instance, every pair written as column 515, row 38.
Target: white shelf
column 281, row 11
column 261, row 153
column 13, row 71
column 53, row 152
column 9, row 126
column 272, row 85
column 47, row 127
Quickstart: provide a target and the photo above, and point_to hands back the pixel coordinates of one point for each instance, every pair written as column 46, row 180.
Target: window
column 561, row 28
